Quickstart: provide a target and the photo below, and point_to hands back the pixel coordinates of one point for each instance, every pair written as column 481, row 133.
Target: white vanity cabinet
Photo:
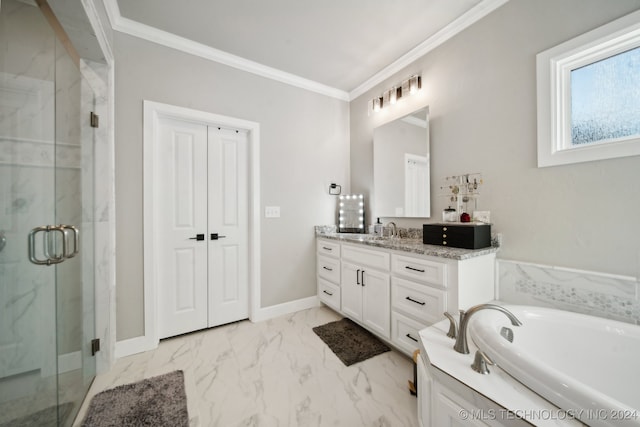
column 365, row 288
column 418, row 297
column 396, row 293
column 328, row 272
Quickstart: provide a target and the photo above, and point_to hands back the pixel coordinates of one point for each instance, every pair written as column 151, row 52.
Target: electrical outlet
column 272, row 211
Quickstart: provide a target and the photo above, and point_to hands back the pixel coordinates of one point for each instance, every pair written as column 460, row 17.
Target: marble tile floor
column 274, row 373
column 23, row 395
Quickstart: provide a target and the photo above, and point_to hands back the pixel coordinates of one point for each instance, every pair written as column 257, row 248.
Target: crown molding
column 97, row 25
column 146, row 32
column 473, row 15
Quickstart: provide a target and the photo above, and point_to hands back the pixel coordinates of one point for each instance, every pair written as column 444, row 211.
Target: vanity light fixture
column 393, row 95
column 414, row 84
column 377, row 104
column 405, row 88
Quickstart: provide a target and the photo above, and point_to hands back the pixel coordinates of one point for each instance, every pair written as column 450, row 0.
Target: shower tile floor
column 274, row 373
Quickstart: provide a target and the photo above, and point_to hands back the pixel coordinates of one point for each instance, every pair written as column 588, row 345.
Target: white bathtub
column 586, row 365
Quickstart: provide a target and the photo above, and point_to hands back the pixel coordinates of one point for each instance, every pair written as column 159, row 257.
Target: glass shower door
column 28, row 363
column 46, row 224
column 74, row 183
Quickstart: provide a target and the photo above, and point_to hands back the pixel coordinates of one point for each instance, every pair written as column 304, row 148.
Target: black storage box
column 457, row 235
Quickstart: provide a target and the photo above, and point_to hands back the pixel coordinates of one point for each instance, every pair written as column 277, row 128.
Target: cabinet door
column 451, row 411
column 376, row 302
column 351, row 291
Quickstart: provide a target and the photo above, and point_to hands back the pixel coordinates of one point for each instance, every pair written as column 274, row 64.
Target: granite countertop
column 407, row 245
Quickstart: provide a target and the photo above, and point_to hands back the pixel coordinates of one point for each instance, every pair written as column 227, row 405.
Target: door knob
column 198, row 237
column 215, row 236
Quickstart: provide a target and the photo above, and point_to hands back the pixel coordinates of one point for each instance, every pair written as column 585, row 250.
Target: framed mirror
column 401, row 170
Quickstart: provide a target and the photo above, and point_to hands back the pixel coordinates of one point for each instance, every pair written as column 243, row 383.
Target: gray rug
column 350, row 342
column 158, row 401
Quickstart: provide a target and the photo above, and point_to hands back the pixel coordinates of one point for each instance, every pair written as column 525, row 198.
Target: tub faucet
column 461, row 341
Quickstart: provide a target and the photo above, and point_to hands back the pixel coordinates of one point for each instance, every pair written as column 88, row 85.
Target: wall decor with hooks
column 461, row 191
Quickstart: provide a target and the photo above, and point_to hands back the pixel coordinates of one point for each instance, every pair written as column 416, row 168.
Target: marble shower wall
column 83, row 190
column 587, row 292
column 27, row 102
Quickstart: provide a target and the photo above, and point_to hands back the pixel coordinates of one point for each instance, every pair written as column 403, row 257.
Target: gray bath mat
column 350, row 342
column 157, row 401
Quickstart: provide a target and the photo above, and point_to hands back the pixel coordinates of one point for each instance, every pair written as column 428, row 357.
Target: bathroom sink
column 362, row 237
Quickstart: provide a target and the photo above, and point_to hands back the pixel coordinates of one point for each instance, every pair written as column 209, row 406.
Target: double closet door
column 203, row 235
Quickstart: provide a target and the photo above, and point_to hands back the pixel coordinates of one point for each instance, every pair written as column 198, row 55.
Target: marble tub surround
column 276, row 372
column 407, row 245
column 453, row 370
column 597, row 294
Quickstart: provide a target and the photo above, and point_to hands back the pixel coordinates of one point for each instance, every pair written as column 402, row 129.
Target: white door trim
column 152, row 112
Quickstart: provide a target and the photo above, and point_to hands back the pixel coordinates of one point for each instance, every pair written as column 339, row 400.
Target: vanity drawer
column 366, row 257
column 404, row 332
column 329, row 294
column 420, row 301
column 420, row 269
column 327, row 247
column 329, row 268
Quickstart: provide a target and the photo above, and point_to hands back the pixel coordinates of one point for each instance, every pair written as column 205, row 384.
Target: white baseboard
column 285, row 308
column 69, row 362
column 133, row 346
column 140, row 344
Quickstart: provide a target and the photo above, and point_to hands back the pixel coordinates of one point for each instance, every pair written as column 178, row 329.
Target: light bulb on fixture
column 377, row 104
column 415, row 82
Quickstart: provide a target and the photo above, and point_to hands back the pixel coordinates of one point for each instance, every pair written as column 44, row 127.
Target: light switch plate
column 272, row 211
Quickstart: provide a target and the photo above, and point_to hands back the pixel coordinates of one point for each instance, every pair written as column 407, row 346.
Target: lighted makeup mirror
column 351, row 214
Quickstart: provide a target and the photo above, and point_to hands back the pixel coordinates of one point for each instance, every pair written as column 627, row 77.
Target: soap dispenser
column 377, row 228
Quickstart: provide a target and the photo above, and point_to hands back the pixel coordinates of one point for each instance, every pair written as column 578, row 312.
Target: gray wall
column 304, row 146
column 481, row 90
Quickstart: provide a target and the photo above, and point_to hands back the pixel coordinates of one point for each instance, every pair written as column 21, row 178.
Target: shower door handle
column 76, row 240
column 51, row 259
column 50, row 246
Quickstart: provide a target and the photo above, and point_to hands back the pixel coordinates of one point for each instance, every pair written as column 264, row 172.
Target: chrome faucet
column 394, row 229
column 461, row 341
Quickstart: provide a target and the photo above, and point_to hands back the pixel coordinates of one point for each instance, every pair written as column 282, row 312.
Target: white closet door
column 182, row 215
column 228, row 217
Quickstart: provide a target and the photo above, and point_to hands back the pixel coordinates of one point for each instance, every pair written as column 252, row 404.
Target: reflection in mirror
column 401, row 167
column 351, row 214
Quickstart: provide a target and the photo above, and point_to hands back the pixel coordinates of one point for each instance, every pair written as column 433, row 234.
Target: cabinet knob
column 444, row 242
column 444, row 236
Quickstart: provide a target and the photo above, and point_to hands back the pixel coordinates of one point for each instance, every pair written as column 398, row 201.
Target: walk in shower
column 47, row 143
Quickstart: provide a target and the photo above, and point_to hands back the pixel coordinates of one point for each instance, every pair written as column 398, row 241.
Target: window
column 589, row 95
